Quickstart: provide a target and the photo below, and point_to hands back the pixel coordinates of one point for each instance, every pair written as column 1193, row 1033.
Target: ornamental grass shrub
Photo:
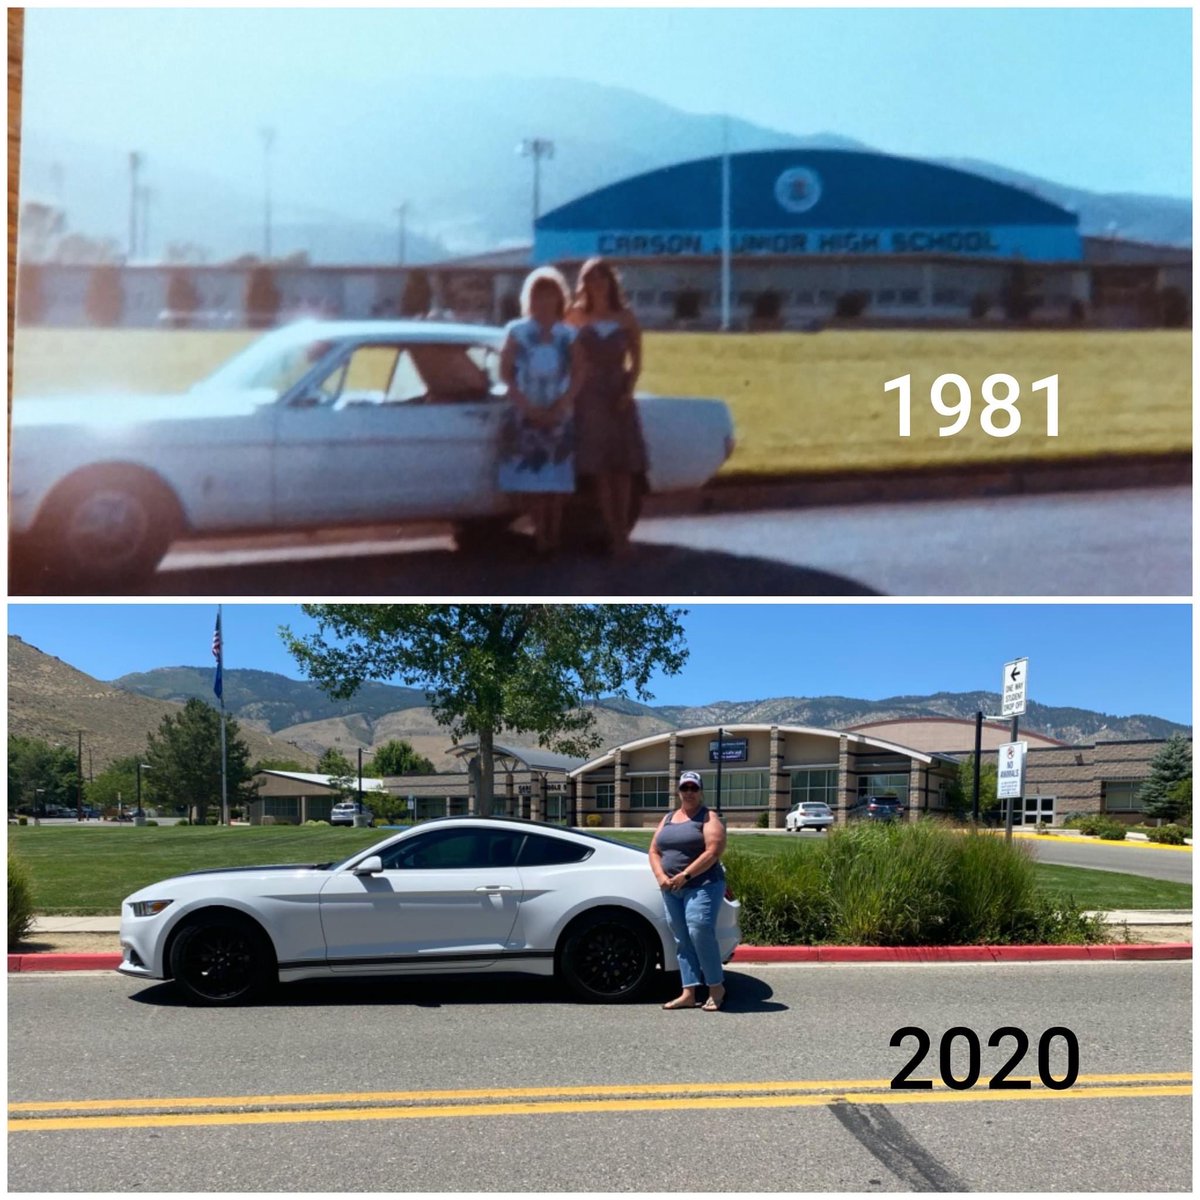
column 924, row 883
column 20, row 902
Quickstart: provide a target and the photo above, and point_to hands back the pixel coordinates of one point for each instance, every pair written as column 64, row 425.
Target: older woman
column 537, row 453
column 609, row 444
column 685, row 856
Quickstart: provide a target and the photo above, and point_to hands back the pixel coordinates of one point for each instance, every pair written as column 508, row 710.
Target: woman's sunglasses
column 689, row 787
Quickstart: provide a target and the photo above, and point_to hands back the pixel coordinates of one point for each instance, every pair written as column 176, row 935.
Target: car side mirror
column 371, row 865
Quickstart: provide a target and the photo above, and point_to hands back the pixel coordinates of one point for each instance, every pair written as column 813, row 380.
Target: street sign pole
column 1008, row 819
column 1014, row 687
column 720, row 760
column 978, row 758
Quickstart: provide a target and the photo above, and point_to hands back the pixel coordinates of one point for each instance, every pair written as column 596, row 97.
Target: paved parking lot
column 498, row 1084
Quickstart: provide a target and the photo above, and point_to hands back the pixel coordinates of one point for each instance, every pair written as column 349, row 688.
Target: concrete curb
column 21, row 963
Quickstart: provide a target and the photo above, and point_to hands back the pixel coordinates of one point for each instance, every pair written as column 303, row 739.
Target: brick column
column 847, row 791
column 779, row 797
column 620, row 791
column 674, row 765
column 510, row 794
column 916, row 791
column 537, row 796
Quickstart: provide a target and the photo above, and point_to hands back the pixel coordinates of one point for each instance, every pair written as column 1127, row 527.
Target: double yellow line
column 168, row 1111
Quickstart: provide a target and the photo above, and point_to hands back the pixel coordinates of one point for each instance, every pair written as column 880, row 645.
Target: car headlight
column 149, row 908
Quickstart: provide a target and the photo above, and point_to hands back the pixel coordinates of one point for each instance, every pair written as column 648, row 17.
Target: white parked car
column 460, row 894
column 317, row 424
column 809, row 814
column 344, row 812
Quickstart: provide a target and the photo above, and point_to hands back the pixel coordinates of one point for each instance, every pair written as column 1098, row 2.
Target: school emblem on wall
column 798, row 189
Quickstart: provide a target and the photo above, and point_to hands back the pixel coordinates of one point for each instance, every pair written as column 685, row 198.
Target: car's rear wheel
column 607, row 957
column 222, row 959
column 105, row 528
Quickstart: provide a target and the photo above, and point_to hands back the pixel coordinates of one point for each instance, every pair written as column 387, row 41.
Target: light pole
column 145, row 194
column 135, row 164
column 267, row 134
column 37, row 805
column 139, row 818
column 536, row 148
column 402, row 218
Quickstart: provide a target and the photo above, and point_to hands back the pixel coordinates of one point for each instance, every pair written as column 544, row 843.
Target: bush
column 262, row 298
column 105, row 300
column 22, row 820
column 688, row 303
column 151, row 821
column 1112, row 832
column 981, row 302
column 183, row 821
column 325, row 823
column 1168, row 835
column 20, row 902
column 1097, row 825
column 268, row 820
column 903, row 884
column 594, row 820
column 851, row 305
column 763, row 821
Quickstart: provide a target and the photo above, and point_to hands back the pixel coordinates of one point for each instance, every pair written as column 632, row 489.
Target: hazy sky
column 1098, row 98
column 1116, row 658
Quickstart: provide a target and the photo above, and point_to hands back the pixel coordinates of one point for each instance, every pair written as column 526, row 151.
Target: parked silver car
column 344, row 812
column 809, row 814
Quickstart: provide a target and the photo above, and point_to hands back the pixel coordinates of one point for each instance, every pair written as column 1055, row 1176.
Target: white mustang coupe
column 460, row 894
column 317, row 424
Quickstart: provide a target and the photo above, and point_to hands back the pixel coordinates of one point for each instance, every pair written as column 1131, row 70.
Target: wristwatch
column 687, row 877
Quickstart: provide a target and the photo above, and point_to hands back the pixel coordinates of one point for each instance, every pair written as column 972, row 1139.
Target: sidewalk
column 112, row 924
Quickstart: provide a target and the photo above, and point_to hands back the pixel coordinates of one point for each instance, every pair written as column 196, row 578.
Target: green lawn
column 801, row 402
column 91, row 870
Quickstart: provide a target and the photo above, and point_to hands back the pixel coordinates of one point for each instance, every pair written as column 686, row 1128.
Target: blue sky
column 1098, row 98
column 1115, row 658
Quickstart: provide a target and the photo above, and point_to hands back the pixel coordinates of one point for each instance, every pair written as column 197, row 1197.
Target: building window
column 910, row 296
column 430, row 807
column 885, row 296
column 606, row 796
column 1121, row 795
column 739, row 789
column 885, row 787
column 949, row 296
column 815, row 785
column 649, row 791
column 805, row 299
column 285, row 808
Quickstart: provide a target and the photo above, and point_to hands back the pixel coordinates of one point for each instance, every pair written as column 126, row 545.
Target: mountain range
column 298, row 712
column 447, row 148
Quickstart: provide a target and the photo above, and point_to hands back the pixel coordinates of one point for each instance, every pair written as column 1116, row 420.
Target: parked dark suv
column 877, row 808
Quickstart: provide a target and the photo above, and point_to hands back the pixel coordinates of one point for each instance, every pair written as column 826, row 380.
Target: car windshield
column 274, row 363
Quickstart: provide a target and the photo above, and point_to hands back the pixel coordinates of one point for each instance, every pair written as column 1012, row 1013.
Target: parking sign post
column 1013, row 690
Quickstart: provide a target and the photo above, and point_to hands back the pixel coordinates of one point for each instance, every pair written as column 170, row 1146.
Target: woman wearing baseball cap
column 685, row 856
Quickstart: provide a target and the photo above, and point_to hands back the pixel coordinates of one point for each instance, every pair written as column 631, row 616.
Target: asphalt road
column 1125, row 542
column 327, row 1088
column 1130, row 858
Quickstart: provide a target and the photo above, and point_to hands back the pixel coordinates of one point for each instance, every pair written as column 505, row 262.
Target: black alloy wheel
column 221, row 961
column 607, row 958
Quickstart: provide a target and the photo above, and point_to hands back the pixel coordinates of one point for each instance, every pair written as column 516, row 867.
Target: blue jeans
column 692, row 915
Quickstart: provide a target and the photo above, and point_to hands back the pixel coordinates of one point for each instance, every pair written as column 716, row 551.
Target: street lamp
column 536, row 148
column 37, row 804
column 139, row 817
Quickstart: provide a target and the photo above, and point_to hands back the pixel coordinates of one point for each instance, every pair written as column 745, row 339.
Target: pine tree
column 1169, row 767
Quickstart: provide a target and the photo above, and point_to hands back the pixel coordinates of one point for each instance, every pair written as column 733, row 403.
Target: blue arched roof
column 857, row 190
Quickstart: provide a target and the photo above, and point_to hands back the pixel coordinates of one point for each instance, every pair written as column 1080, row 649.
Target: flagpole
column 221, row 697
column 726, row 249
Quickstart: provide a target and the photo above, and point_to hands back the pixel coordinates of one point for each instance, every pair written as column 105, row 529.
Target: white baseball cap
column 691, row 777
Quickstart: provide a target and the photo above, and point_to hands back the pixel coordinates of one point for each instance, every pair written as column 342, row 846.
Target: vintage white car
column 461, row 894
column 316, row 424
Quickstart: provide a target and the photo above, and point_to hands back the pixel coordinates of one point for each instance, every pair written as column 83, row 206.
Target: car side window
column 450, row 849
column 541, row 851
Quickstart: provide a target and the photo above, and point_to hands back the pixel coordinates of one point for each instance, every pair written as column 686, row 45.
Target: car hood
column 121, row 408
column 190, row 881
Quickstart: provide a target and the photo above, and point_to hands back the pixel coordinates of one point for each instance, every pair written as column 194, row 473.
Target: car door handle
column 494, row 887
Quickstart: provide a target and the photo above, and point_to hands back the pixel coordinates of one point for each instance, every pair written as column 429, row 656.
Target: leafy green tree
column 343, row 775
column 961, row 792
column 530, row 668
column 1171, row 766
column 184, row 755
column 397, row 757
column 40, row 774
column 117, row 783
column 1182, row 794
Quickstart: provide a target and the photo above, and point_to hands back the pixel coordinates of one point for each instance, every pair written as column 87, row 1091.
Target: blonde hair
column 544, row 277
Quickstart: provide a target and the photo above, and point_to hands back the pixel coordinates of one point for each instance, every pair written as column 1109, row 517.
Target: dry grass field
column 802, row 403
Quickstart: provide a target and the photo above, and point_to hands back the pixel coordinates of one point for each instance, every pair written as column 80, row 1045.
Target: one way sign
column 1012, row 689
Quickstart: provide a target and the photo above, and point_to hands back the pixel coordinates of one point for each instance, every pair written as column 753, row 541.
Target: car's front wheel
column 607, row 957
column 106, row 528
column 222, row 959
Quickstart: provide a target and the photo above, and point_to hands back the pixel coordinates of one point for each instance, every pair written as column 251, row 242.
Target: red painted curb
column 63, row 962
column 778, row 954
column 910, row 954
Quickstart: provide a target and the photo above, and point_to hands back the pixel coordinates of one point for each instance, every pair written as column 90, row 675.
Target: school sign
column 802, row 203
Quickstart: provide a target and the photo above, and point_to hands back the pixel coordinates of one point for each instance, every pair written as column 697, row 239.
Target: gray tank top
column 682, row 842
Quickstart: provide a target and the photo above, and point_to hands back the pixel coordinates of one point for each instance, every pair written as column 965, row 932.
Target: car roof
column 525, row 823
column 445, row 332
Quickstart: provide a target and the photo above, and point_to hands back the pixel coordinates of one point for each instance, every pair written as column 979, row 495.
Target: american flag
column 217, row 648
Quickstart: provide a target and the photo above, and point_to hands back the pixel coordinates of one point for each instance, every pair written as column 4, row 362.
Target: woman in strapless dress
column 608, row 435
